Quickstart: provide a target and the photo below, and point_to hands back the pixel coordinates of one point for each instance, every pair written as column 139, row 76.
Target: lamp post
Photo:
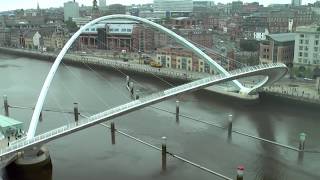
column 139, row 56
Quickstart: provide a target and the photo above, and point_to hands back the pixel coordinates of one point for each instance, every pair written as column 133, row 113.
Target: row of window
column 306, row 48
column 306, row 61
column 306, row 36
column 316, row 42
column 117, row 30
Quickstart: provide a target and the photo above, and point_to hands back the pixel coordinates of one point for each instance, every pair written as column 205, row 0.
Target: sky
column 28, row 4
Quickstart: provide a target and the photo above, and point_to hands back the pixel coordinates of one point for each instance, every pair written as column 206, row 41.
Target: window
column 128, row 30
column 317, row 36
column 315, row 55
column 305, row 54
column 306, row 48
column 300, row 60
column 302, row 35
column 300, row 48
column 316, row 42
column 123, row 30
column 300, row 54
column 305, row 61
column 306, row 41
column 316, row 49
column 301, row 41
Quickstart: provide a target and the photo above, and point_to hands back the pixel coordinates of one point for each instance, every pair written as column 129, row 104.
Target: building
column 277, row 48
column 95, row 13
column 236, row 6
column 199, row 37
column 143, row 39
column 116, row 9
column 10, row 128
column 102, row 3
column 307, row 50
column 296, row 2
column 5, row 35
column 71, row 10
column 173, row 5
column 181, row 58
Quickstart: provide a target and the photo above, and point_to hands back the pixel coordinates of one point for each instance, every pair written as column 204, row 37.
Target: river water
column 88, row 154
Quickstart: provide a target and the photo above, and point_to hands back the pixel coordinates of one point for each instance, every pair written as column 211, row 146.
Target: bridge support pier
column 164, row 154
column 113, row 133
column 230, row 126
column 76, row 112
column 40, row 117
column 177, row 111
column 32, row 164
column 6, row 105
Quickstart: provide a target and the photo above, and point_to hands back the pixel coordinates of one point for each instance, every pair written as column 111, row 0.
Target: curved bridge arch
column 49, row 78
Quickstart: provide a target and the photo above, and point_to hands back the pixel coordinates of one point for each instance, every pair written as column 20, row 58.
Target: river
column 89, row 154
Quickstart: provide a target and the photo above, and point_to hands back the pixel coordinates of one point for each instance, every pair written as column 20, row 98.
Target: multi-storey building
column 143, row 39
column 71, row 10
column 296, row 2
column 277, row 48
column 307, row 50
column 172, row 7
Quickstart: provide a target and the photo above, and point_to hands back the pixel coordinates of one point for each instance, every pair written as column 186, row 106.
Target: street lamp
column 139, row 56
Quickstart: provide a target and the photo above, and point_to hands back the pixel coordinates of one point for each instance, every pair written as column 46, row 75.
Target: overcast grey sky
column 27, row 4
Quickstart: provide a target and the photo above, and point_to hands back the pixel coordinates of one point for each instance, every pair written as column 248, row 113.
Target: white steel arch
column 47, row 83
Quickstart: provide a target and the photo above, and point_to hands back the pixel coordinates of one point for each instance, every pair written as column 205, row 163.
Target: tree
column 71, row 26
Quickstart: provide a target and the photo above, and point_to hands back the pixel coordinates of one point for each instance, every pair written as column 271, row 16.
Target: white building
column 173, row 5
column 71, row 10
column 102, row 3
column 36, row 39
column 307, row 50
column 296, row 2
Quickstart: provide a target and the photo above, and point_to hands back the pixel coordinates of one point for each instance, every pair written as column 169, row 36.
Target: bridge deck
column 273, row 71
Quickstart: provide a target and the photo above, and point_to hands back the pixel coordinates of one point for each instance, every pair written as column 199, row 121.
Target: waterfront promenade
column 297, row 90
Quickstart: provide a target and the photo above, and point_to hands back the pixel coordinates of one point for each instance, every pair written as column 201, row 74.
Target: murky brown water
column 88, row 154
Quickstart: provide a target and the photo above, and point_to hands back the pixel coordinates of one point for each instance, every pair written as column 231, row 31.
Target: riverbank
column 167, row 73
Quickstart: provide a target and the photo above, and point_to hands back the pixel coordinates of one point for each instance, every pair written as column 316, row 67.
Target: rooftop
column 8, row 122
column 283, row 37
column 310, row 29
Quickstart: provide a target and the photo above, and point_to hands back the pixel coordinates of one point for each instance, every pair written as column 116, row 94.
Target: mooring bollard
column 128, row 81
column 76, row 112
column 164, row 153
column 6, row 105
column 240, row 171
column 230, row 125
column 177, row 111
column 302, row 138
column 113, row 135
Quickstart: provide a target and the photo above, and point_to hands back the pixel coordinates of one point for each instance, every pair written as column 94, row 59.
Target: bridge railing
column 60, row 130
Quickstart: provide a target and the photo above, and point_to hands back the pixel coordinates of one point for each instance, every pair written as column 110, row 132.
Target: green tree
column 71, row 26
